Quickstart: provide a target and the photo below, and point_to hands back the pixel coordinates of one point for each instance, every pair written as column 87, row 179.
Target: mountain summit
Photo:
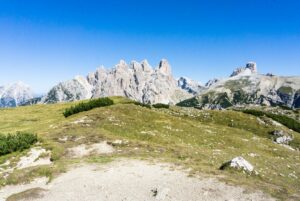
column 250, row 69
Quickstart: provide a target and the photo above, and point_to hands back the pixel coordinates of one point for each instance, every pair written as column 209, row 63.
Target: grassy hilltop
column 201, row 140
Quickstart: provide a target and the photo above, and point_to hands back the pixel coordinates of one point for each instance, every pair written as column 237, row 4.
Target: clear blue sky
column 43, row 42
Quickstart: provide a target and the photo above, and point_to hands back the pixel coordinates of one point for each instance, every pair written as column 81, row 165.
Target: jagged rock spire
column 164, row 67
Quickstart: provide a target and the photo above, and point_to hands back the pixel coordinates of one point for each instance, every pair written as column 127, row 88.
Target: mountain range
column 143, row 83
column 15, row 94
column 246, row 86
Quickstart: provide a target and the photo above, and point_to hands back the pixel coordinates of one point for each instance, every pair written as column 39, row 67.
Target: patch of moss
column 285, row 90
column 236, row 85
column 192, row 102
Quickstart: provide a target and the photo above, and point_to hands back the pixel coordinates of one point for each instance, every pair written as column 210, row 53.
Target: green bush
column 91, row 104
column 161, row 105
column 16, row 142
column 285, row 120
column 192, row 102
column 255, row 112
column 143, row 105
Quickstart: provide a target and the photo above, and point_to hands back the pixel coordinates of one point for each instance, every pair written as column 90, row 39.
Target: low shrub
column 161, row 105
column 285, row 120
column 16, row 142
column 143, row 104
column 85, row 106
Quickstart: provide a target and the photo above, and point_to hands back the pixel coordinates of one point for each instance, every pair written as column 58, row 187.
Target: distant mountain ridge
column 140, row 82
column 246, row 86
column 15, row 94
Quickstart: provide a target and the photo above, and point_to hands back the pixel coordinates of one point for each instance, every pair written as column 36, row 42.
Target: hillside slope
column 196, row 139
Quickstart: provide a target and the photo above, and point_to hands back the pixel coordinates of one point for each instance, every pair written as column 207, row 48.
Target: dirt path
column 128, row 181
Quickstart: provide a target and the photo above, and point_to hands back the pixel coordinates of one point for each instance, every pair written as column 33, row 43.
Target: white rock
column 283, row 140
column 241, row 163
column 33, row 159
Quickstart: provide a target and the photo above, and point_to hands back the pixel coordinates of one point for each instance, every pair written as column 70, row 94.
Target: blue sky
column 44, row 42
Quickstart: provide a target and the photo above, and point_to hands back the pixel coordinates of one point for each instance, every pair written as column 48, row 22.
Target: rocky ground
column 132, row 180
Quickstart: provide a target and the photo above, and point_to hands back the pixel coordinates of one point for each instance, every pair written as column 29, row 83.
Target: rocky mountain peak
column 146, row 66
column 252, row 66
column 121, row 65
column 189, row 85
column 211, row 82
column 164, row 67
column 249, row 69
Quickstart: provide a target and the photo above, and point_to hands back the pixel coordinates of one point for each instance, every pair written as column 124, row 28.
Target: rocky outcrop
column 138, row 81
column 14, row 94
column 280, row 137
column 248, row 70
column 211, row 82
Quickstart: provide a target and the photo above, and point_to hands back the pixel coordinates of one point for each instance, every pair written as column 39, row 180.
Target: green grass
column 196, row 139
column 143, row 105
column 285, row 90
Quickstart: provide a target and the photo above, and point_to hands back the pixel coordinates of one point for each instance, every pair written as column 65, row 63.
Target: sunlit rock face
column 250, row 69
column 137, row 80
column 14, row 94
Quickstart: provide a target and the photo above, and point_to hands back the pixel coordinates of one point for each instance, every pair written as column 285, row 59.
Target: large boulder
column 238, row 163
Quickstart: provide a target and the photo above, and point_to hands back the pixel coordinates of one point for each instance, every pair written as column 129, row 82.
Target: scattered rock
column 252, row 155
column 283, row 140
column 154, row 192
column 260, row 121
column 85, row 150
column 275, row 123
column 278, row 133
column 281, row 137
column 238, row 163
column 82, row 120
column 118, row 143
column 33, row 158
column 63, row 139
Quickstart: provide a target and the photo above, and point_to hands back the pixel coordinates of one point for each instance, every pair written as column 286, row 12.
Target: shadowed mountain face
column 14, row 94
column 138, row 81
column 245, row 86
